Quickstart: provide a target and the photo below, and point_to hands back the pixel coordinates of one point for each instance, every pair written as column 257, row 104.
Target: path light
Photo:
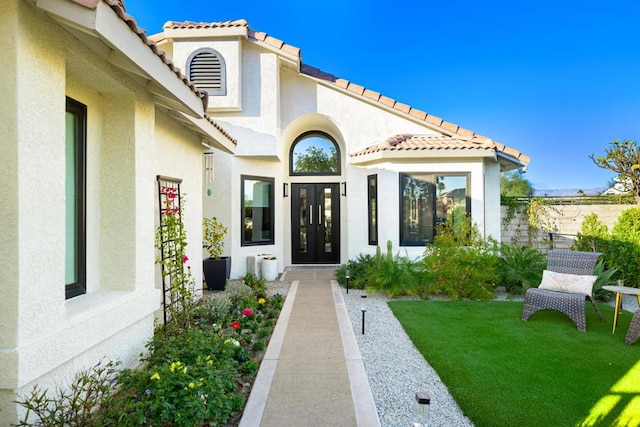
column 421, row 413
column 347, row 277
column 364, row 310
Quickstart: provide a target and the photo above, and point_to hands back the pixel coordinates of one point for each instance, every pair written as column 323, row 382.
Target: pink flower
column 247, row 312
column 185, row 259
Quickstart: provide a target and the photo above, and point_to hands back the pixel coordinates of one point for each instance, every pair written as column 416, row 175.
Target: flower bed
column 196, row 375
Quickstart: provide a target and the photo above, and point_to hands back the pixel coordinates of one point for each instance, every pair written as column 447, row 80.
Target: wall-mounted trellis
column 171, row 243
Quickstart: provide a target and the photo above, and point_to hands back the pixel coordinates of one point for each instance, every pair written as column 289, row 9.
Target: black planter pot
column 216, row 272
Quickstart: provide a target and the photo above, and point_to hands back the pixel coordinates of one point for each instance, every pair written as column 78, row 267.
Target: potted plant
column 216, row 268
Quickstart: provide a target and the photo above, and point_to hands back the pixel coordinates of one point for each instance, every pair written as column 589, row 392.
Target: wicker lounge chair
column 634, row 329
column 573, row 305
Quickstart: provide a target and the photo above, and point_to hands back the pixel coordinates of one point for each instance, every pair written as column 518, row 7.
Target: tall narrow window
column 257, row 211
column 426, row 200
column 75, row 189
column 207, row 70
column 372, row 191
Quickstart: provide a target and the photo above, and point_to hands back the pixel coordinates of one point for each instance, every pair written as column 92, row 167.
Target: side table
column 619, row 291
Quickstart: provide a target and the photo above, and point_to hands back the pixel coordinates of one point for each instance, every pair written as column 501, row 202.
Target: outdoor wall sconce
column 344, row 188
column 421, row 414
column 285, row 189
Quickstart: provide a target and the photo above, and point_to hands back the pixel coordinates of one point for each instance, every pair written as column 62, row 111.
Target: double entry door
column 315, row 223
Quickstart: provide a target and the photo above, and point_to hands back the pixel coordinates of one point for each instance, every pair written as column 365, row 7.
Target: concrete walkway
column 312, row 371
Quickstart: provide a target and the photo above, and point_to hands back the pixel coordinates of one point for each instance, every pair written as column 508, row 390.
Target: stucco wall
column 44, row 337
column 278, row 104
column 231, row 51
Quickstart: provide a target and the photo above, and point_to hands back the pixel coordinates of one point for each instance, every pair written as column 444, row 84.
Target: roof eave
column 111, row 38
column 508, row 162
column 211, row 134
column 418, row 155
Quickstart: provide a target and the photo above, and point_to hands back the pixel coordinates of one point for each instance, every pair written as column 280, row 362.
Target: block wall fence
column 564, row 220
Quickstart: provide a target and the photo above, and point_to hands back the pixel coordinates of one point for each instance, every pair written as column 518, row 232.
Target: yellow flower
column 184, row 371
column 209, row 362
column 191, row 385
column 261, row 301
column 155, row 376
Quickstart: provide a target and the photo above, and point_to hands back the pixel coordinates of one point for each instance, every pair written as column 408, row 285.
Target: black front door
column 315, row 223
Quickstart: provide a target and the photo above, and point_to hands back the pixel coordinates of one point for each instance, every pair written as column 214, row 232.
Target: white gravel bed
column 395, row 368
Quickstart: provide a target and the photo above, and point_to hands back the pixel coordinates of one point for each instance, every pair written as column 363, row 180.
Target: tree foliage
column 317, row 160
column 623, row 158
column 512, row 184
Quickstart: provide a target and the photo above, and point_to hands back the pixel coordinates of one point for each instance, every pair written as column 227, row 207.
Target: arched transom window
column 207, row 70
column 314, row 153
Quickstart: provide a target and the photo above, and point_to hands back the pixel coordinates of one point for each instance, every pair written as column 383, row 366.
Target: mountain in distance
column 570, row 192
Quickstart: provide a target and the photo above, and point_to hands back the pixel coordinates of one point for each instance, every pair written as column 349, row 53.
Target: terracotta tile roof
column 408, row 142
column 197, row 25
column 457, row 132
column 220, row 128
column 238, row 23
column 118, row 7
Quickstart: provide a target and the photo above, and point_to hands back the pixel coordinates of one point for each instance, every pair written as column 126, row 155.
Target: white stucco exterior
column 144, row 119
column 278, row 104
column 131, row 138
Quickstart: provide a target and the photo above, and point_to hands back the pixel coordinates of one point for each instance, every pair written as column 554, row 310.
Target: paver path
column 312, row 372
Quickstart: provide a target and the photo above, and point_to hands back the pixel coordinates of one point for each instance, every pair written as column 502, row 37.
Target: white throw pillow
column 571, row 283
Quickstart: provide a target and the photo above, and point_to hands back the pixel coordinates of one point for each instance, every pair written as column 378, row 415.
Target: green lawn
column 506, row 372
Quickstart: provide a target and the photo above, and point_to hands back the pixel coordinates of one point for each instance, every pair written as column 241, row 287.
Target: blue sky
column 557, row 80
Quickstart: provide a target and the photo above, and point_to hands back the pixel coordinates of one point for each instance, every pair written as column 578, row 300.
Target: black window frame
column 402, row 214
column 243, row 241
column 319, row 134
column 372, row 208
column 79, row 287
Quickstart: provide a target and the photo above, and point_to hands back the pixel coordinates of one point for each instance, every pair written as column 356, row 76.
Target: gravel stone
column 395, row 368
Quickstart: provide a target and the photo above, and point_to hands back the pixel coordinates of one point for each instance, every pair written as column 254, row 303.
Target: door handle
column 310, row 214
column 319, row 215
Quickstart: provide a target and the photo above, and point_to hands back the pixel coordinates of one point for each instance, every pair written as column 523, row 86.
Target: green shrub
column 520, row 267
column 213, row 311
column 257, row 286
column 459, row 272
column 605, row 277
column 624, row 248
column 190, row 375
column 174, row 393
column 71, row 405
column 358, row 268
column 393, row 275
column 593, row 235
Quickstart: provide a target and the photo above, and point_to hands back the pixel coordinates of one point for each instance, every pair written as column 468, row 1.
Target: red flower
column 247, row 312
column 235, row 324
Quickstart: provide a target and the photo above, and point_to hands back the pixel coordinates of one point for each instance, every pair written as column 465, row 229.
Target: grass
column 506, row 372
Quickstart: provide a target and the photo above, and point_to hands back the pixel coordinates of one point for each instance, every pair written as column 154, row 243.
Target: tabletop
column 622, row 290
